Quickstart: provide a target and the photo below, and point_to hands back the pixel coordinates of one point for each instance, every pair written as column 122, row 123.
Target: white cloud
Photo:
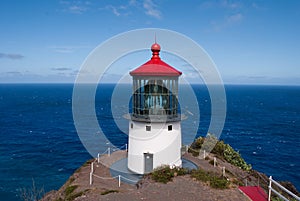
column 132, row 2
column 231, row 4
column 151, row 9
column 121, row 10
column 234, row 18
column 11, row 56
column 61, row 69
column 75, row 7
column 227, row 22
column 115, row 10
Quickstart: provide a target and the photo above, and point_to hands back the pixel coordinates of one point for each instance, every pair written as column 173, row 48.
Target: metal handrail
column 278, row 193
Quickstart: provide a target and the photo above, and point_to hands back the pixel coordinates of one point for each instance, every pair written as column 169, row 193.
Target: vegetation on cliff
column 220, row 149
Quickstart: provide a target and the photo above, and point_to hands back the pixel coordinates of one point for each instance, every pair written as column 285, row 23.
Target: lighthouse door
column 148, row 158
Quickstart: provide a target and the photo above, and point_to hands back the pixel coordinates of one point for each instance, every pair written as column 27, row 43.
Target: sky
column 251, row 42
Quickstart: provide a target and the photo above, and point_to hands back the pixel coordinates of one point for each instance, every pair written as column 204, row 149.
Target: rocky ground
column 180, row 188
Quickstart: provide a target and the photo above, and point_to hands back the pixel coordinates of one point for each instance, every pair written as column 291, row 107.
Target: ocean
column 39, row 142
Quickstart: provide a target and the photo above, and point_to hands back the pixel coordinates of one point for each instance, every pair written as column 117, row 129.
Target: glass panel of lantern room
column 139, row 96
column 167, row 96
column 146, row 100
column 176, row 96
column 134, row 96
column 176, row 86
column 172, row 97
column 142, row 97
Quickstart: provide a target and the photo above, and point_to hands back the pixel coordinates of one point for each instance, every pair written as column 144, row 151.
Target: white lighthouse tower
column 154, row 126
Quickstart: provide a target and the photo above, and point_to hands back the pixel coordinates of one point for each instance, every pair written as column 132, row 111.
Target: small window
column 131, row 125
column 148, row 128
column 170, row 127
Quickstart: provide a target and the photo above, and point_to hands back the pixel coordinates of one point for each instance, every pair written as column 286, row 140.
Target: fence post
column 270, row 187
column 108, row 151
column 204, row 153
column 98, row 158
column 223, row 171
column 92, row 167
column 246, row 183
column 91, row 178
column 126, row 148
column 119, row 180
column 215, row 161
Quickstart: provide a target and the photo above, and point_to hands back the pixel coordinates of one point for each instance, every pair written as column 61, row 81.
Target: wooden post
column 119, row 180
column 91, row 178
column 215, row 161
column 204, row 153
column 98, row 158
column 92, row 167
column 108, row 151
column 270, row 187
column 223, row 172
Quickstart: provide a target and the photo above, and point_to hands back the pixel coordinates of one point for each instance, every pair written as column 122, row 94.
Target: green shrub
column 219, row 182
column 165, row 174
column 210, row 178
column 73, row 196
column 234, row 157
column 195, row 153
column 109, row 191
column 181, row 171
column 200, row 175
column 162, row 174
column 222, row 150
column 69, row 190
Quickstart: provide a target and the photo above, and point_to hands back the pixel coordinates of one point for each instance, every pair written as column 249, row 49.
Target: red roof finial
column 155, row 48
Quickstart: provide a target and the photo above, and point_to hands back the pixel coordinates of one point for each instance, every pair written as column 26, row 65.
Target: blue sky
column 251, row 42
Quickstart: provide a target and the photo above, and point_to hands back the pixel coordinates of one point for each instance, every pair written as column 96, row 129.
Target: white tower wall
column 161, row 141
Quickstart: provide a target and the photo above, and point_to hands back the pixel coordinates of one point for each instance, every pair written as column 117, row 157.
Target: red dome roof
column 155, row 66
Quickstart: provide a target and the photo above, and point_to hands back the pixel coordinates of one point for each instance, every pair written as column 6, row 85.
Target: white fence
column 119, row 177
column 108, row 151
column 272, row 181
column 203, row 155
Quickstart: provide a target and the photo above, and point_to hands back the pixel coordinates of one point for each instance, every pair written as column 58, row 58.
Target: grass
column 70, row 195
column 71, row 180
column 73, row 196
column 109, row 191
column 165, row 174
column 69, row 190
column 210, row 178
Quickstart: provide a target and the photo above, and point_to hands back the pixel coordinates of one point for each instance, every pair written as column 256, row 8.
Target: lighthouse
column 154, row 126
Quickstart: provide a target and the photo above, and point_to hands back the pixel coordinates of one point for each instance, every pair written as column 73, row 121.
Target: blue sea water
column 38, row 139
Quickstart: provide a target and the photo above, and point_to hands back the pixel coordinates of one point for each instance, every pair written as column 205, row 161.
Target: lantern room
column 155, row 90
